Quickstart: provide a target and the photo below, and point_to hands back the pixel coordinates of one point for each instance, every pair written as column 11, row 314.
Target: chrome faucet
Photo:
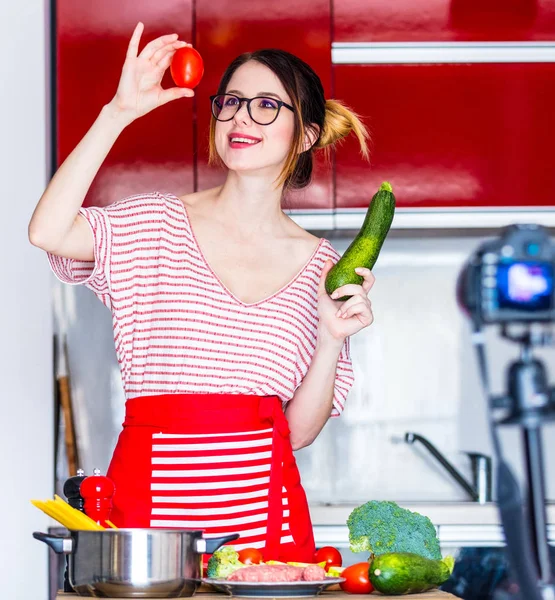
column 480, row 489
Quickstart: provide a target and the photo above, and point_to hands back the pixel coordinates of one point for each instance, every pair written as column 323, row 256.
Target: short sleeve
column 116, row 229
column 344, row 379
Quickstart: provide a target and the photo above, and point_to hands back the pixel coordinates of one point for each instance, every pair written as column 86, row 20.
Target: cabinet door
column 226, row 29
column 443, row 20
column 451, row 136
column 155, row 152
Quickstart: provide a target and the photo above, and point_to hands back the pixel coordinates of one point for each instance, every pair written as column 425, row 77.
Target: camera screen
column 525, row 286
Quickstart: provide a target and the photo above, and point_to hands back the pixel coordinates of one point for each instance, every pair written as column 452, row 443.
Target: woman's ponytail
column 339, row 122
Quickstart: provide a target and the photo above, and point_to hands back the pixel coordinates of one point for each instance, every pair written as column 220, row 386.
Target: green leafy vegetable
column 383, row 526
column 223, row 562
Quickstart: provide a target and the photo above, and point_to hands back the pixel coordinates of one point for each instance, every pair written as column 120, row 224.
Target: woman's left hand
column 339, row 320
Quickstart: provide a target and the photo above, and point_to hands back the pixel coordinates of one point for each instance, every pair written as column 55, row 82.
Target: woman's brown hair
column 332, row 118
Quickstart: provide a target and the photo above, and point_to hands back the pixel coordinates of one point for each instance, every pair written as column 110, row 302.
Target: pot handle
column 59, row 543
column 209, row 546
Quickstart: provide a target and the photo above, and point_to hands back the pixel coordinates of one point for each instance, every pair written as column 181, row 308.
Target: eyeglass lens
column 261, row 110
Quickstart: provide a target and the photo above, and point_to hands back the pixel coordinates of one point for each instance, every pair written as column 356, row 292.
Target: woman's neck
column 251, row 203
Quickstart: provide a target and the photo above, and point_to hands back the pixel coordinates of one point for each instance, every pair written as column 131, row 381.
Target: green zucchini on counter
column 399, row 573
column 365, row 248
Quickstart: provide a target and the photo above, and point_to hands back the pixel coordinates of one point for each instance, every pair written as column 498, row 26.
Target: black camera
column 510, row 279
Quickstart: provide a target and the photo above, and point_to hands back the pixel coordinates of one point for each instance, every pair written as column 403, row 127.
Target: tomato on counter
column 250, row 556
column 330, row 555
column 187, row 67
column 357, row 579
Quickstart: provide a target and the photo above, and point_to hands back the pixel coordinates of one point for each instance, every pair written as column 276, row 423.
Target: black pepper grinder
column 72, row 492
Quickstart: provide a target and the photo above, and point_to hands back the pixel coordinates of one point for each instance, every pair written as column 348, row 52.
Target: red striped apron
column 218, row 462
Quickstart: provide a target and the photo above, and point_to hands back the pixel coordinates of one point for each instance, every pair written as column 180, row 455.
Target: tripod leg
column 519, row 548
column 536, row 501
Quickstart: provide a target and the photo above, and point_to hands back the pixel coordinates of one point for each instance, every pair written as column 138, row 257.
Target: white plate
column 273, row 589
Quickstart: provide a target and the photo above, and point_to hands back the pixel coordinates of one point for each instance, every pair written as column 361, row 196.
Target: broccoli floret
column 380, row 526
column 223, row 562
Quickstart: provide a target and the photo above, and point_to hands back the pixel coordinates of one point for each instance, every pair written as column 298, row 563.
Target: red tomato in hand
column 250, row 556
column 330, row 555
column 357, row 579
column 187, row 67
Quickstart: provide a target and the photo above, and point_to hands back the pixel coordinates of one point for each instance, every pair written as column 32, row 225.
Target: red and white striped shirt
column 177, row 328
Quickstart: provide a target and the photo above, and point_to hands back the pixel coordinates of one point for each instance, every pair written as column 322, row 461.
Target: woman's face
column 271, row 142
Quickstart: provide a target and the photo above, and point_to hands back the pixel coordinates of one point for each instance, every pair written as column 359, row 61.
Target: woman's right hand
column 139, row 90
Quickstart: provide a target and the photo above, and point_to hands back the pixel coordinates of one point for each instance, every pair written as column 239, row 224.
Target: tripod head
column 529, row 401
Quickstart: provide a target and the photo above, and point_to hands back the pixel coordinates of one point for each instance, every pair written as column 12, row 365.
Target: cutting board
column 433, row 595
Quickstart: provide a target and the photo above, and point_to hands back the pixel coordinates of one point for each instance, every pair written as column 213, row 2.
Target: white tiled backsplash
column 415, row 371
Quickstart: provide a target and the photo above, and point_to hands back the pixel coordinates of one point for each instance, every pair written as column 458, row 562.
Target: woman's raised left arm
column 310, row 408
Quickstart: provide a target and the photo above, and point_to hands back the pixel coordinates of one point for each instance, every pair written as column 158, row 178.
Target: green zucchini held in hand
column 365, row 248
column 399, row 573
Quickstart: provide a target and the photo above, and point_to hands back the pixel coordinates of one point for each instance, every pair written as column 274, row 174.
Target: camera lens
column 532, row 249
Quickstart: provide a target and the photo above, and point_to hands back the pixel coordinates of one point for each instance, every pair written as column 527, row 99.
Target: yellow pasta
column 76, row 515
column 68, row 516
column 60, row 516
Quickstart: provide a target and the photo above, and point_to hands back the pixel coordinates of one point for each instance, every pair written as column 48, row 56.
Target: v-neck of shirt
column 221, row 283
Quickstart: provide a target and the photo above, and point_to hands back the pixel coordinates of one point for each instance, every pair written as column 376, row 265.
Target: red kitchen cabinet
column 443, row 20
column 451, row 136
column 226, row 29
column 155, row 152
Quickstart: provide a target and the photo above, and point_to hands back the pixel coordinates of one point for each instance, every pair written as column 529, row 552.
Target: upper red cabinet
column 451, row 136
column 226, row 29
column 443, row 20
column 155, row 152
column 457, row 95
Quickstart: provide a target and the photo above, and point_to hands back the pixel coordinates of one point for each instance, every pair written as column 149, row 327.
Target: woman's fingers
column 154, row 45
column 362, row 312
column 162, row 53
column 166, row 59
column 173, row 94
column 133, row 47
column 353, row 301
column 368, row 276
column 328, row 264
column 361, row 308
column 165, row 62
column 352, row 288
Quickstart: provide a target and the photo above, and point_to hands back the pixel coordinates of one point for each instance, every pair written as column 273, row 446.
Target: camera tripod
column 529, row 403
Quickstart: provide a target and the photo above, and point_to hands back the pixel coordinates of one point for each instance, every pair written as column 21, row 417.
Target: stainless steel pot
column 135, row 563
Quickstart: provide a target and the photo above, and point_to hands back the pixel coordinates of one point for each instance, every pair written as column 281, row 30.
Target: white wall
column 26, row 404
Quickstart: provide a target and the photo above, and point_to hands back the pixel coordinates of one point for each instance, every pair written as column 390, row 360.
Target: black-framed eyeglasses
column 262, row 110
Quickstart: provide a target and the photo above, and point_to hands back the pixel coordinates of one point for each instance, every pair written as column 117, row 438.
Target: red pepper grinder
column 97, row 491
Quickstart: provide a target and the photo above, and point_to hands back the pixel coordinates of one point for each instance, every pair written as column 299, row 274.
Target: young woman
column 232, row 355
